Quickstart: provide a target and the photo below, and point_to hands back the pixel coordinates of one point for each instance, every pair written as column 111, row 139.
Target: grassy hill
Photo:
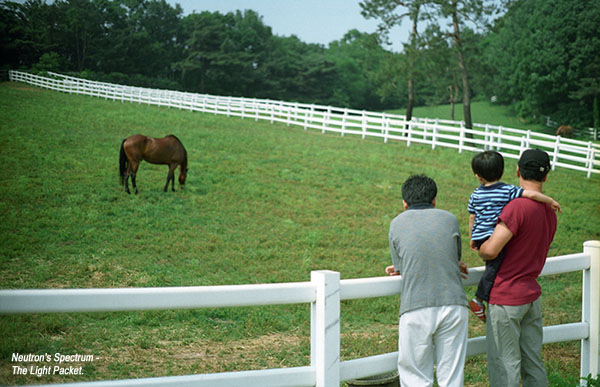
column 482, row 112
column 263, row 203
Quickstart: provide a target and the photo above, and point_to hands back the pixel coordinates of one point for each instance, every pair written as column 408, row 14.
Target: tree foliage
column 541, row 56
column 545, row 54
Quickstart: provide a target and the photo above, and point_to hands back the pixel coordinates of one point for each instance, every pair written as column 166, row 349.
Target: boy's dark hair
column 488, row 165
column 419, row 189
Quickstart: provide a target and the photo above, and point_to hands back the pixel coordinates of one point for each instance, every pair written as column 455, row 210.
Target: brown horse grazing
column 167, row 150
column 565, row 131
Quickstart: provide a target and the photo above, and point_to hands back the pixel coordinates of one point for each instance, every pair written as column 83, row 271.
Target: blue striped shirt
column 487, row 202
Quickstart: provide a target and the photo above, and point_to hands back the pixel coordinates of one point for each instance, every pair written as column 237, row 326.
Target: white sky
column 312, row 21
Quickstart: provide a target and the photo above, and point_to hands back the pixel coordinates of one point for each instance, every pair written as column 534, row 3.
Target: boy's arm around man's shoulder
column 540, row 197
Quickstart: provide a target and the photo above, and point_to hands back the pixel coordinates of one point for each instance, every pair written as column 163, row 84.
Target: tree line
column 539, row 56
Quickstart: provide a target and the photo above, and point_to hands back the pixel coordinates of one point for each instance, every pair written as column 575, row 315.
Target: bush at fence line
column 591, row 381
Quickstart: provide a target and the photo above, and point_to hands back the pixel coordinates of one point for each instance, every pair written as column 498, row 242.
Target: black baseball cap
column 535, row 160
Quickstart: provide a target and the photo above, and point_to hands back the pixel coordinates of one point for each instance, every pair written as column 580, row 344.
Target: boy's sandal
column 478, row 308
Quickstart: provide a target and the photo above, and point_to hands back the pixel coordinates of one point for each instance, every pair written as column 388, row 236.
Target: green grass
column 482, row 112
column 263, row 203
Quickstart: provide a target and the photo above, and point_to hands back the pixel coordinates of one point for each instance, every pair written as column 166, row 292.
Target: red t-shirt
column 533, row 225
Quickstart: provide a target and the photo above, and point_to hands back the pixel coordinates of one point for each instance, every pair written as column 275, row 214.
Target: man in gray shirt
column 425, row 246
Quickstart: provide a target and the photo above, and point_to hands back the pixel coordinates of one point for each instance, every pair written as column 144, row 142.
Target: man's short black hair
column 489, row 165
column 419, row 189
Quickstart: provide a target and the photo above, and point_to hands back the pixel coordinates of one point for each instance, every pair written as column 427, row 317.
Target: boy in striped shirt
column 485, row 205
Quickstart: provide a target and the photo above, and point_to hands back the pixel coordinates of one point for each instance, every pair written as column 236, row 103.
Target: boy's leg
column 489, row 275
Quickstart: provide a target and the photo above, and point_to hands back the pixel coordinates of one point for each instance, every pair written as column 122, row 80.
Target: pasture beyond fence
column 565, row 153
column 324, row 292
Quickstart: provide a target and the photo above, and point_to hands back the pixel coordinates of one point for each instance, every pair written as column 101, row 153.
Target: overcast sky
column 313, row 21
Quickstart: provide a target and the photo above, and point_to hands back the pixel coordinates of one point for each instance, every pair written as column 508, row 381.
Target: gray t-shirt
column 425, row 245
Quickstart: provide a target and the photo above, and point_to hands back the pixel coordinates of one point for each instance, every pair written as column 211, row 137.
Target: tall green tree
column 358, row 57
column 545, row 55
column 244, row 53
column 27, row 31
column 297, row 71
column 205, row 33
column 391, row 13
column 439, row 69
column 225, row 53
column 458, row 12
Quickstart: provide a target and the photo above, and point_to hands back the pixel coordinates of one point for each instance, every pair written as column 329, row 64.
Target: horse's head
column 182, row 175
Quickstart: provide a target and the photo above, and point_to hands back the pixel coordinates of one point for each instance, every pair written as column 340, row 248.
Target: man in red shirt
column 514, row 325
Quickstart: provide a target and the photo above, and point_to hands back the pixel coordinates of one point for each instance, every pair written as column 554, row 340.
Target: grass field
column 263, row 203
column 482, row 112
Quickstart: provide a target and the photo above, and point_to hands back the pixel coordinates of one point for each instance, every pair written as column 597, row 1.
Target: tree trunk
column 453, row 95
column 463, row 71
column 411, row 66
column 596, row 113
column 411, row 99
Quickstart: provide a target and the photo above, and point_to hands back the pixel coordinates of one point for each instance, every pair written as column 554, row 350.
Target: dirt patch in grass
column 206, row 356
column 17, row 86
column 142, row 358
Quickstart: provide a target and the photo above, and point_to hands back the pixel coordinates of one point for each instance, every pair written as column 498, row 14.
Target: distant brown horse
column 167, row 150
column 565, row 131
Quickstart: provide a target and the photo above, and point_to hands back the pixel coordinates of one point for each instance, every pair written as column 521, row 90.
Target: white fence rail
column 324, row 292
column 566, row 153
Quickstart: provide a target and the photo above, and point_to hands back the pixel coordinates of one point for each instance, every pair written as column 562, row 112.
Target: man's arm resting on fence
column 493, row 246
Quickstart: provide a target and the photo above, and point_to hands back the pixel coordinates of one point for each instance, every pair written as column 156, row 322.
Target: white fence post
column 556, row 152
column 499, row 143
column 384, row 127
column 461, row 137
column 591, row 157
column 488, row 138
column 326, row 119
column 296, row 109
column 590, row 347
column 312, row 113
column 325, row 328
column 364, row 125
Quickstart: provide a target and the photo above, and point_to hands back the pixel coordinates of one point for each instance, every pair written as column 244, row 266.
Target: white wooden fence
column 324, row 292
column 565, row 153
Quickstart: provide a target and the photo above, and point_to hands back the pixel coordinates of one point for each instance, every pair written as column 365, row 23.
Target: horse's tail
column 122, row 163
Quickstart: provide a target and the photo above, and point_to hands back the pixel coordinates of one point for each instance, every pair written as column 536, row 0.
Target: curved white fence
column 565, row 153
column 324, row 292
